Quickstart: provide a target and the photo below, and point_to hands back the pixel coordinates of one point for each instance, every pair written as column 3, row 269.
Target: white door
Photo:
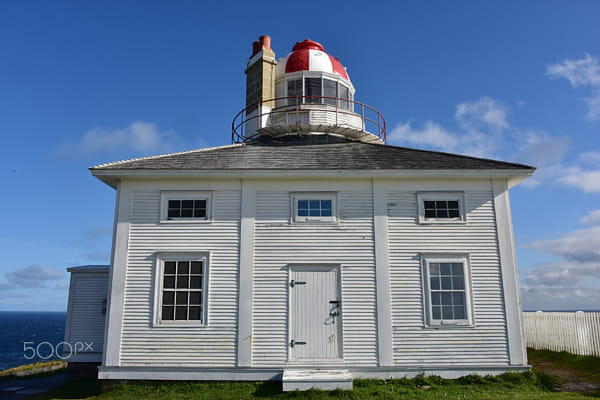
column 315, row 310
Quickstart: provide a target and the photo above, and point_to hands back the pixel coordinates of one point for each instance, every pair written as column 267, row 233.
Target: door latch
column 295, row 343
column 294, row 283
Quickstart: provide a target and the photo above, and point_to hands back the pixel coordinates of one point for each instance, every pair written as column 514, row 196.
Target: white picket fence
column 573, row 332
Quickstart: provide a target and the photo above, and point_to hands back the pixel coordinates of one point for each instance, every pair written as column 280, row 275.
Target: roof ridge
column 164, row 155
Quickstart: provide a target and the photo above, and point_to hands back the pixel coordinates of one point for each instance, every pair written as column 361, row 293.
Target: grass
column 527, row 385
column 37, row 369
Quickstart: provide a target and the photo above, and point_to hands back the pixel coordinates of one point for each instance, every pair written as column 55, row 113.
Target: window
column 330, row 90
column 312, row 89
column 441, row 207
column 294, row 88
column 314, row 207
column 185, row 206
column 446, row 290
column 181, row 296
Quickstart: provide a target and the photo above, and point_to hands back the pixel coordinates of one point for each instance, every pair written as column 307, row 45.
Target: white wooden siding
column 279, row 243
column 214, row 344
column 415, row 344
column 85, row 322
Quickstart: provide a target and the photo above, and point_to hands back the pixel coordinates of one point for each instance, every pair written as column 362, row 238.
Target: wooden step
column 324, row 379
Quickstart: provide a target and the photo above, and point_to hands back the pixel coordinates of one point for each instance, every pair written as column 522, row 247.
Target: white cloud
column 586, row 180
column 484, row 113
column 32, row 276
column 431, row 134
column 593, row 218
column 590, row 158
column 584, row 72
column 139, row 137
column 567, row 283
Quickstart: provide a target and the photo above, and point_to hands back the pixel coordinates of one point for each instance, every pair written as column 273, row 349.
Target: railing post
column 336, row 112
column 297, row 117
column 363, row 117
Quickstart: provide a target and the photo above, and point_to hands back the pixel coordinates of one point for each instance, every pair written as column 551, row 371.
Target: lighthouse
column 306, row 96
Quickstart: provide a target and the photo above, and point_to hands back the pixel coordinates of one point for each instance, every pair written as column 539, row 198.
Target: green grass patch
column 42, row 368
column 526, row 385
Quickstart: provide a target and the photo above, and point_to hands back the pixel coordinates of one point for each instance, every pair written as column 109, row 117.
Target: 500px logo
column 46, row 350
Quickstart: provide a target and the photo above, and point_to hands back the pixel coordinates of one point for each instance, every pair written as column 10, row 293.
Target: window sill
column 178, row 324
column 442, row 222
column 450, row 325
column 185, row 221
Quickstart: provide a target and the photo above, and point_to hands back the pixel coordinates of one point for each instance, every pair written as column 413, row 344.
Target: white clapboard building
column 309, row 250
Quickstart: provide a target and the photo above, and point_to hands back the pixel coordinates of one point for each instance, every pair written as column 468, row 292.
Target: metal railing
column 262, row 111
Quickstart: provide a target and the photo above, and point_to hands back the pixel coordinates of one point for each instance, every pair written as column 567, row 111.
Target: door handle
column 295, row 343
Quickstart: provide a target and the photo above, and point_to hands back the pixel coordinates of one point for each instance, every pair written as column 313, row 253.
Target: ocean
column 28, row 337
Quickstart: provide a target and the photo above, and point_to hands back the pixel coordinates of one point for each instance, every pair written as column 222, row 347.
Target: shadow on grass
column 80, row 389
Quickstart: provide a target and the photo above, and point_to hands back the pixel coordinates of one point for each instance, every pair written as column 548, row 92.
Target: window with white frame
column 447, row 291
column 308, row 90
column 186, row 206
column 182, row 284
column 441, row 207
column 315, row 207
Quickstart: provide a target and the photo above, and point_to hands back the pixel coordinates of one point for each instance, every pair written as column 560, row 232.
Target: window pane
column 453, row 204
column 182, row 282
column 187, row 213
column 326, row 204
column 314, row 204
column 344, row 94
column 303, row 212
column 330, row 90
column 446, row 298
column 312, row 87
column 435, row 283
column 173, row 213
column 170, row 267
column 446, row 283
column 183, row 267
column 458, row 299
column 429, row 204
column 459, row 312
column 195, row 313
column 429, row 213
column 168, row 313
column 436, row 312
column 445, row 268
column 200, row 213
column 174, row 203
column 314, row 212
column 182, row 298
column 168, row 298
column 457, row 269
column 458, row 283
column 196, row 282
column 302, row 203
column 187, row 203
column 447, row 312
column 442, row 213
column 436, row 299
column 453, row 214
column 326, row 212
column 434, row 268
column 169, row 282
column 196, row 267
column 440, row 204
column 199, row 203
column 181, row 313
column 196, row 298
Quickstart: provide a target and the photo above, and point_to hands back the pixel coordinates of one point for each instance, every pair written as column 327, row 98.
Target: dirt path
column 566, row 378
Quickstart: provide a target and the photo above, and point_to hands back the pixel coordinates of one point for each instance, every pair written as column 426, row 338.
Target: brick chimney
column 260, row 73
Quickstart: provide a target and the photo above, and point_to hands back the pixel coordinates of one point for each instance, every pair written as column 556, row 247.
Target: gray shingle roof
column 330, row 156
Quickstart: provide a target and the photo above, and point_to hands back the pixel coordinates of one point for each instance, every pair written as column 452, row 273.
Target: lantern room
column 306, row 95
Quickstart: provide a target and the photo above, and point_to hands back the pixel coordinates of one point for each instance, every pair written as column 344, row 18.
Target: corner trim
column 510, row 282
column 118, row 273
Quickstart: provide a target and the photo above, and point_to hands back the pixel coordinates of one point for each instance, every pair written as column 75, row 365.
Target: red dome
column 310, row 56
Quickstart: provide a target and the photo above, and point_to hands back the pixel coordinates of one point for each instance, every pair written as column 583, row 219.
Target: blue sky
column 83, row 83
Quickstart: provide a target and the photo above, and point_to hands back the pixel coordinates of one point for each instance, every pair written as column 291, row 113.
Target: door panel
column 314, row 313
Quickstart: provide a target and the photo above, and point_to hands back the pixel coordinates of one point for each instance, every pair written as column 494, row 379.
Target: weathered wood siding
column 214, row 344
column 415, row 344
column 574, row 332
column 279, row 243
column 85, row 316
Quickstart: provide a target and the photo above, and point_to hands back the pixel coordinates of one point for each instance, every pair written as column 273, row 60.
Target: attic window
column 185, row 206
column 314, row 207
column 441, row 207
